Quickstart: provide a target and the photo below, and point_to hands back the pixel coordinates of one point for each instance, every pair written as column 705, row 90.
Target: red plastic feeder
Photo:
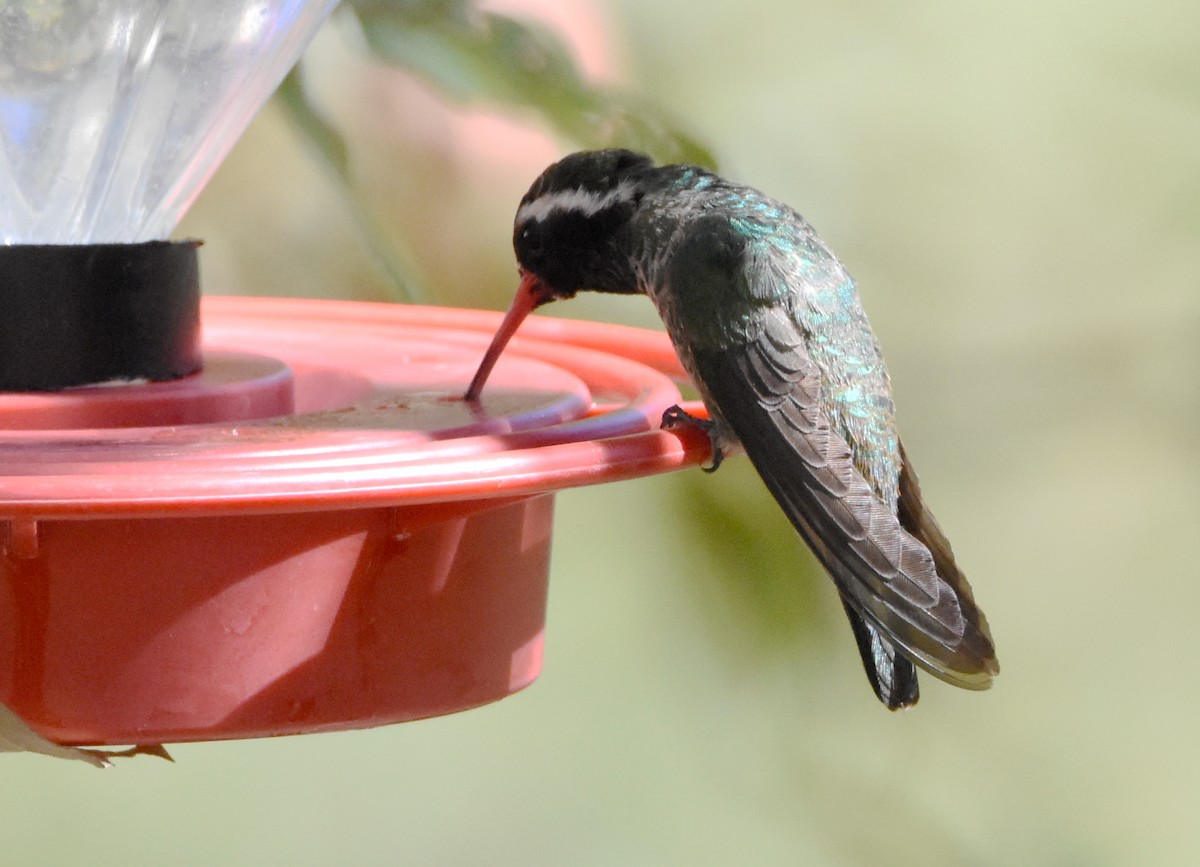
column 315, row 532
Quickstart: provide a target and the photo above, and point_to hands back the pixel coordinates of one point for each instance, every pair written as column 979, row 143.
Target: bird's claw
column 676, row 416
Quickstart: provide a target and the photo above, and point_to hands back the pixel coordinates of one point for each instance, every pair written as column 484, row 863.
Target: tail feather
column 891, row 673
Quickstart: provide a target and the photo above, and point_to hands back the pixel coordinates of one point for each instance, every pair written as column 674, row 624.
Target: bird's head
column 569, row 229
column 570, row 235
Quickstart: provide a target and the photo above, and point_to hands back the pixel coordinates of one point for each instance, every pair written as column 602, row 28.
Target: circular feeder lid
column 349, row 404
column 316, row 532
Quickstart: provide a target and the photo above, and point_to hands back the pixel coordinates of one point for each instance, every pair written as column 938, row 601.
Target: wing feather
column 895, row 571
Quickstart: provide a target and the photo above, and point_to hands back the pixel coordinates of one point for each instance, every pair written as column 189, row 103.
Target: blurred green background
column 1016, row 188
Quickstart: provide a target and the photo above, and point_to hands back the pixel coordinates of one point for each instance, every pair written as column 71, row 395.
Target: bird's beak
column 532, row 293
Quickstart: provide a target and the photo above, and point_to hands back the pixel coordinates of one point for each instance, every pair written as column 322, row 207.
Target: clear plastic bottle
column 114, row 113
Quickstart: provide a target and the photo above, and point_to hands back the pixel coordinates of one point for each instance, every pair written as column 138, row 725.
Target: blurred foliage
column 765, row 587
column 474, row 55
column 390, row 253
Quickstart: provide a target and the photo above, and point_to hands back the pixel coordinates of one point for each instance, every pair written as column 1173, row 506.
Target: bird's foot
column 676, row 416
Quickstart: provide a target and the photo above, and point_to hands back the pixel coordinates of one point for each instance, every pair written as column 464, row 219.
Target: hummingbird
column 769, row 326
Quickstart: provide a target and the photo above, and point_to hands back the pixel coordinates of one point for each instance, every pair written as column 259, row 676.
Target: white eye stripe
column 586, row 202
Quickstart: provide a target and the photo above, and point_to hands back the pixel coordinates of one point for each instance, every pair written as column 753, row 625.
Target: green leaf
column 391, row 255
column 320, row 134
column 481, row 56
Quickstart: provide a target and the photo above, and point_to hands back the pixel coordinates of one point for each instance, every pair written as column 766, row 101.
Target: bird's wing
column 896, row 571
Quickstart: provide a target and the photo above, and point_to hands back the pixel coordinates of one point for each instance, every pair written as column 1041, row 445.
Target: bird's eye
column 531, row 239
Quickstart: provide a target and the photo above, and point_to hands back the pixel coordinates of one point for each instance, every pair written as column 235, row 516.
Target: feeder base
column 309, row 622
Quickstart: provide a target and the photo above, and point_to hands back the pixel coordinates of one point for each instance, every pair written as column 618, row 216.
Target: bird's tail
column 892, row 675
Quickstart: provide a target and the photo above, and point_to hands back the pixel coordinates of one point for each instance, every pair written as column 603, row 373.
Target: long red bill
column 530, row 294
